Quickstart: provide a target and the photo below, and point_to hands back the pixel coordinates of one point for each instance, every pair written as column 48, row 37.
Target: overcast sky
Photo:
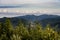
column 29, row 6
column 25, row 1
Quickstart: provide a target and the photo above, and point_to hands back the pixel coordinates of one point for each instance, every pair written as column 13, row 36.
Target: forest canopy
column 32, row 32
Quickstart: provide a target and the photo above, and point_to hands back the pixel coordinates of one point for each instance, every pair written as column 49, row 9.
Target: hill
column 43, row 19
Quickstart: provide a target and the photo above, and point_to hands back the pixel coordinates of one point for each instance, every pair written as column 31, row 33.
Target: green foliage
column 6, row 29
column 20, row 32
column 15, row 37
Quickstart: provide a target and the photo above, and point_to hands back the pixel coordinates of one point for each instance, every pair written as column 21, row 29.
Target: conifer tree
column 0, row 28
column 7, row 28
column 50, row 34
column 22, row 31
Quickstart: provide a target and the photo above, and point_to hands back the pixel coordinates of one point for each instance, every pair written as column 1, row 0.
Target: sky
column 25, row 1
column 23, row 7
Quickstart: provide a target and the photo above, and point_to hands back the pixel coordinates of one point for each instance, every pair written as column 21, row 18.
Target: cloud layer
column 16, row 7
column 25, row 1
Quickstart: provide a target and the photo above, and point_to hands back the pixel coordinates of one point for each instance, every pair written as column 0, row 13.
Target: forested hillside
column 45, row 19
column 33, row 31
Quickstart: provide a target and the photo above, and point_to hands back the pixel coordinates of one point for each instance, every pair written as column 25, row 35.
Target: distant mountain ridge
column 43, row 19
column 40, row 17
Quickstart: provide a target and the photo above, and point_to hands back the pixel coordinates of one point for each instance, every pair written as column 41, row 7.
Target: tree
column 35, row 32
column 50, row 34
column 38, row 31
column 22, row 31
column 0, row 28
column 7, row 28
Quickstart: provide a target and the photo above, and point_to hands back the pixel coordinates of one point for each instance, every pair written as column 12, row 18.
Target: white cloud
column 46, row 6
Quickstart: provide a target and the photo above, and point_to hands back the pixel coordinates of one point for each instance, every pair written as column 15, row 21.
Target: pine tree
column 7, row 28
column 22, row 31
column 50, row 34
column 0, row 28
column 39, row 31
column 35, row 32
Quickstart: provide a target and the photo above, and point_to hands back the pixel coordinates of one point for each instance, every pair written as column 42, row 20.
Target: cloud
column 29, row 6
column 52, row 5
column 10, row 6
column 25, row 1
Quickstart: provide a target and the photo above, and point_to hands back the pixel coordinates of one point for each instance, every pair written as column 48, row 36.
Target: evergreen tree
column 50, row 34
column 22, row 31
column 7, row 28
column 0, row 29
column 35, row 32
column 38, row 31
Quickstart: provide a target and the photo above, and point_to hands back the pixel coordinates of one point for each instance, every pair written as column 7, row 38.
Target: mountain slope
column 43, row 19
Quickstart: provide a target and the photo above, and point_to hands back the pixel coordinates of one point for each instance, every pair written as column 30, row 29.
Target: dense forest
column 31, row 32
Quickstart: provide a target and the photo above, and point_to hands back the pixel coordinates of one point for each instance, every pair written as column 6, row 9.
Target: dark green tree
column 7, row 29
column 22, row 31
